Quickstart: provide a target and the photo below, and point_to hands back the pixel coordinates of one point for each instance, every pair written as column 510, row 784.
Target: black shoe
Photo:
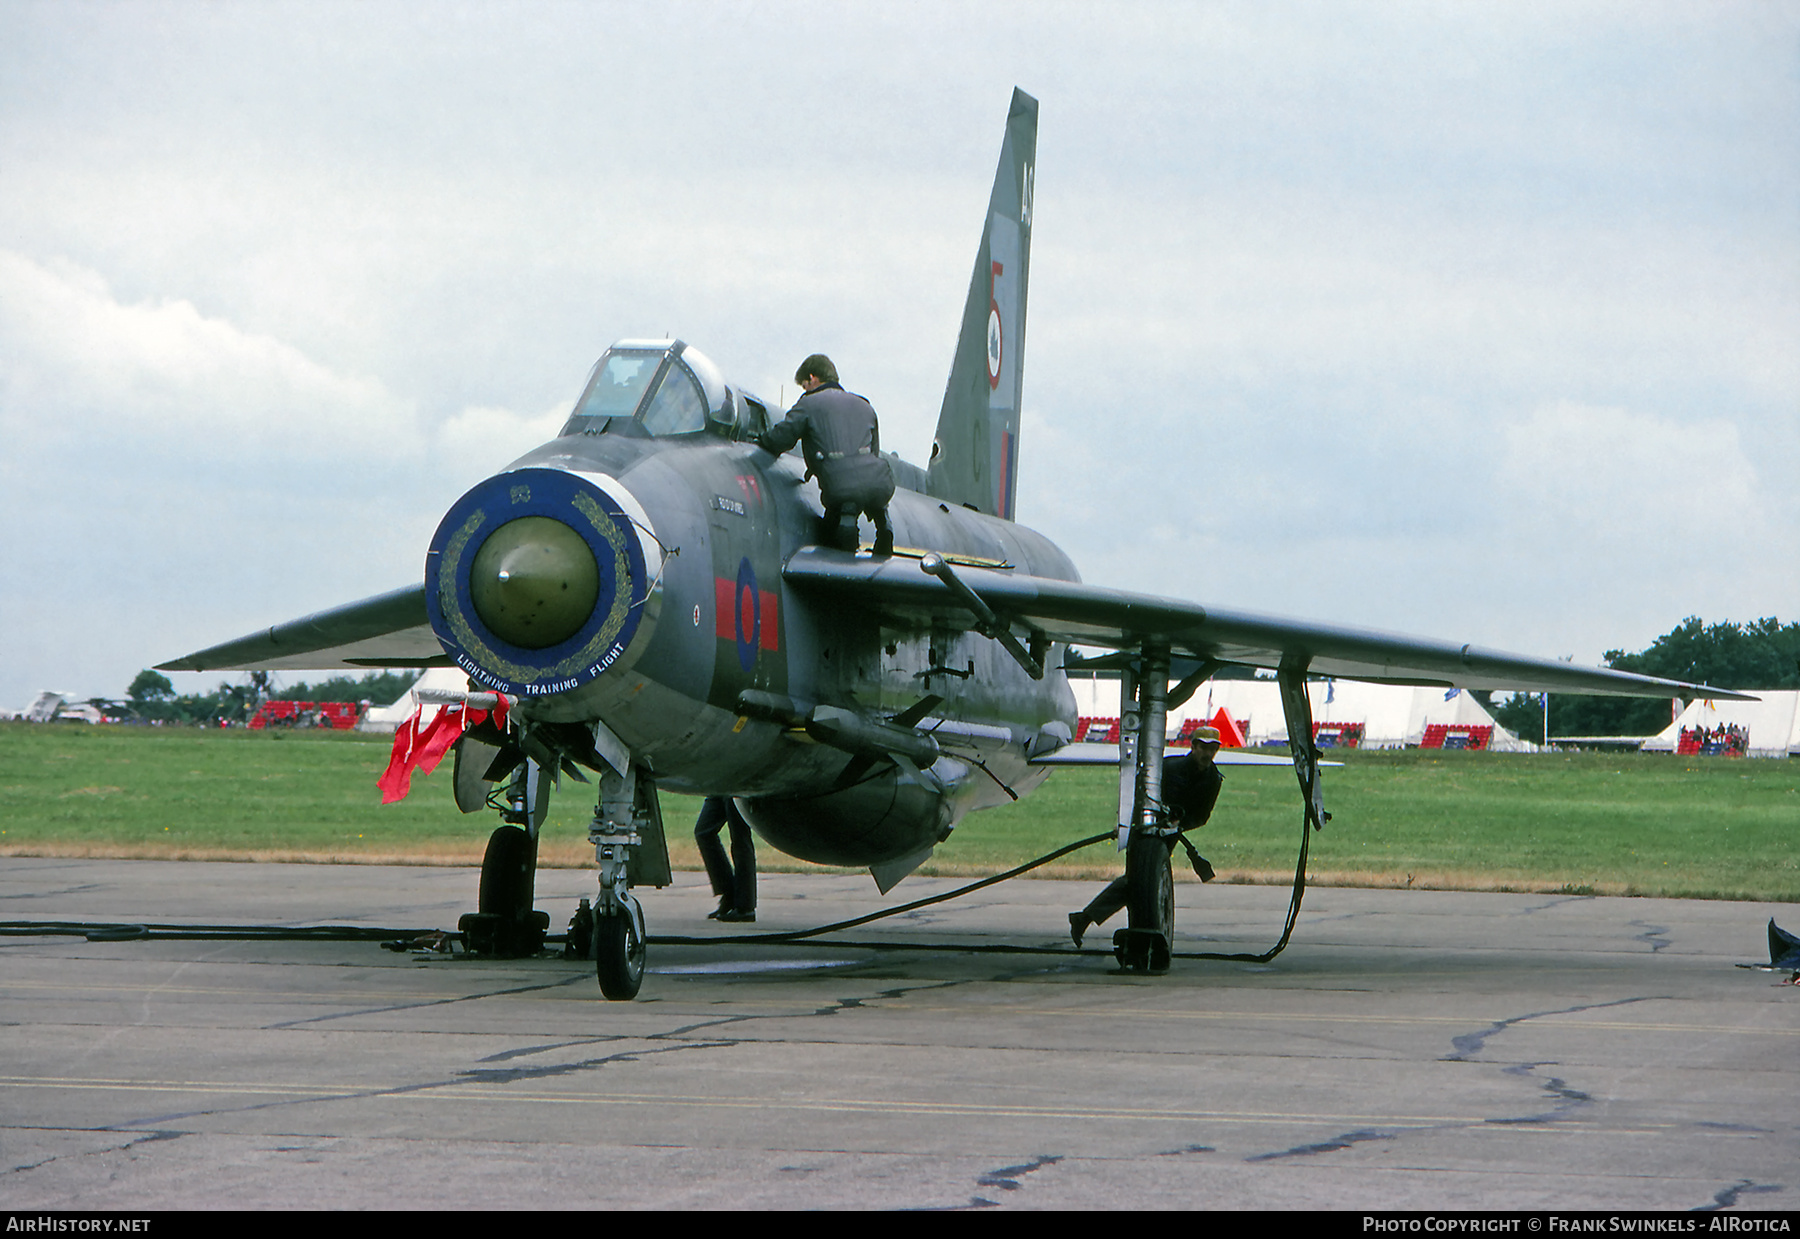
column 731, row 916
column 1202, row 870
column 719, row 913
column 1078, row 926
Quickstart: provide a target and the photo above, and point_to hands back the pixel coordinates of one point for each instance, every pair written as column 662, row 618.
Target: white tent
column 436, row 679
column 1392, row 716
column 1773, row 723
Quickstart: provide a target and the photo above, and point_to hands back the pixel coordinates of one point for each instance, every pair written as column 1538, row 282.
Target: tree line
column 1763, row 654
column 152, row 697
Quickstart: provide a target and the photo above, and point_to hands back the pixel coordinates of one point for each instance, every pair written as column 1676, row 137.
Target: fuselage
column 715, row 517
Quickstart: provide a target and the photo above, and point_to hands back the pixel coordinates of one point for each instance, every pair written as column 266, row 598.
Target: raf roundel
column 535, row 582
column 996, row 344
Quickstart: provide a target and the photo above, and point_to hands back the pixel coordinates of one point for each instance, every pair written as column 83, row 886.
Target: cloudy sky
column 1477, row 321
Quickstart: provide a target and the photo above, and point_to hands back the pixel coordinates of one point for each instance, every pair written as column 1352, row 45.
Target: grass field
column 1589, row 823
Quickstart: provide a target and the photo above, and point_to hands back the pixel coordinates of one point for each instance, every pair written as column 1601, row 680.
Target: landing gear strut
column 1149, row 878
column 625, row 820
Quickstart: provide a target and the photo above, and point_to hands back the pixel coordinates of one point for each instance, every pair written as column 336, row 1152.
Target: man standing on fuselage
column 841, row 440
column 1190, row 789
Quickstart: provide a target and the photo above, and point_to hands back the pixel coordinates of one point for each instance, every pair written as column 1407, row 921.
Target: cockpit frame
column 684, row 395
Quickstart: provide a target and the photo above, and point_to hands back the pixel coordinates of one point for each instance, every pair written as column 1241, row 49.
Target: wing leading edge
column 1079, row 614
column 388, row 630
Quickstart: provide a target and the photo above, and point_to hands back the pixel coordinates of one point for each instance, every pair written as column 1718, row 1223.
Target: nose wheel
column 625, row 819
column 619, row 952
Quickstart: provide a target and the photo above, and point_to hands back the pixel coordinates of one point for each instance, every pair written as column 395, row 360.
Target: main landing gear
column 505, row 924
column 1144, row 946
column 1149, row 903
column 1145, row 699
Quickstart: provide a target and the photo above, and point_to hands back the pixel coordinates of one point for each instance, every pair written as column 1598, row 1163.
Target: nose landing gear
column 626, row 818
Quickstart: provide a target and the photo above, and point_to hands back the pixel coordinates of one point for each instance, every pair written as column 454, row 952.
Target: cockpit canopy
column 662, row 388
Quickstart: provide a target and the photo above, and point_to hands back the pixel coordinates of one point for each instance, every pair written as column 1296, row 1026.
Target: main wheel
column 1149, row 901
column 618, row 956
column 507, row 869
column 505, row 925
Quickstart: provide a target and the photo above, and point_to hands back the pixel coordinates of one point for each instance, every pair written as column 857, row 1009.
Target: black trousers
column 1107, row 901
column 733, row 879
column 840, row 525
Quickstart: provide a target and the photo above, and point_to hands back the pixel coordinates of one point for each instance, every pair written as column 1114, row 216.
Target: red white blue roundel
column 996, row 342
column 746, row 621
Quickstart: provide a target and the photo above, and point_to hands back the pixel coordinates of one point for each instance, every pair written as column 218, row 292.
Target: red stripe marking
column 771, row 639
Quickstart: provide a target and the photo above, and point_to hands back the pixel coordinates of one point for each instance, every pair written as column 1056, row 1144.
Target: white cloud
column 481, row 438
column 79, row 363
column 1609, row 475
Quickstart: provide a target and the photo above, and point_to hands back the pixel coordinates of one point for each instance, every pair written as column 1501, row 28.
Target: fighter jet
column 647, row 598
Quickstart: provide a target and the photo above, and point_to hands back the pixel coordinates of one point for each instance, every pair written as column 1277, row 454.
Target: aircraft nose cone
column 534, row 582
column 537, row 580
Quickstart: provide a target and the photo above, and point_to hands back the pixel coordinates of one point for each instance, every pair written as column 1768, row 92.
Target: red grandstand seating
column 339, row 715
column 1093, row 729
column 1456, row 736
column 1338, row 735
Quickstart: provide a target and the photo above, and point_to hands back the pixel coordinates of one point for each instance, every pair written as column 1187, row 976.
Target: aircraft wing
column 899, row 589
column 388, row 630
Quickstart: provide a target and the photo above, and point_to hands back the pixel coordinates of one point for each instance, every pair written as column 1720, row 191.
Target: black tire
column 506, row 926
column 1150, row 893
column 618, row 956
column 508, row 870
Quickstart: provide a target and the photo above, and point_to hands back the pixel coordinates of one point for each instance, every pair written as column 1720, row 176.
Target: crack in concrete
column 1474, row 1043
column 525, row 1051
column 671, row 1038
column 1554, row 903
column 149, row 1137
column 1184, row 1151
column 1727, row 1198
column 83, row 888
column 435, row 1002
column 512, row 1074
column 1567, row 1098
column 1655, row 935
column 1007, row 1177
column 841, row 1005
column 1325, row 1146
column 424, row 1086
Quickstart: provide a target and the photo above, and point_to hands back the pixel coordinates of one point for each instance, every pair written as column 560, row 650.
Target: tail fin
column 974, row 458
